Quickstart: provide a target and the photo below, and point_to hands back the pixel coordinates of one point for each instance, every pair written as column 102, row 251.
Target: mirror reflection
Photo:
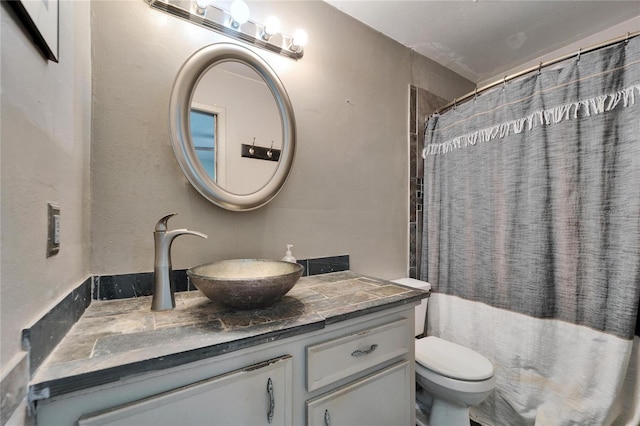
column 232, row 106
column 240, row 152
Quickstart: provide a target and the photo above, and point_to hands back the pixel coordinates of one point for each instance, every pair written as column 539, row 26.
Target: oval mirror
column 232, row 127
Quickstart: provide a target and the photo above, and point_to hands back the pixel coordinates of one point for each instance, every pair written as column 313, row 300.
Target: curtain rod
column 625, row 37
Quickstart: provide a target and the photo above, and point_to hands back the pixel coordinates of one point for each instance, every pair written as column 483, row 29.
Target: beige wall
column 45, row 144
column 347, row 192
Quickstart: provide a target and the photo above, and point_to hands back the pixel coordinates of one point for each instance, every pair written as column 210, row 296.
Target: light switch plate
column 53, row 234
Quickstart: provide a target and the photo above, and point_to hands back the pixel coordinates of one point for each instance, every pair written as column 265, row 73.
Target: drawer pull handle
column 272, row 401
column 327, row 419
column 358, row 352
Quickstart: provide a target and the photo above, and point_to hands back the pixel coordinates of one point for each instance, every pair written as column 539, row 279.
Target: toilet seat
column 451, row 360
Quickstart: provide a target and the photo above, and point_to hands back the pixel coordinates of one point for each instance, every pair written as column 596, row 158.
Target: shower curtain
column 532, row 239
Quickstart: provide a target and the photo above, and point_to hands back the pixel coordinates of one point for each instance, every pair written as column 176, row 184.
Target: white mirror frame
column 179, row 124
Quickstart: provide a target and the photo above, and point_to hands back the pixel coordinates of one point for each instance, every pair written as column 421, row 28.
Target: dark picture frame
column 41, row 18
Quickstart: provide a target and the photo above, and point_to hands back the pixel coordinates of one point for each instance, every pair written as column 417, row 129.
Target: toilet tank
column 421, row 309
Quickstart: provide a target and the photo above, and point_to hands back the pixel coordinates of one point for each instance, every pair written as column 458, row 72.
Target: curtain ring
column 579, row 52
column 454, row 103
column 504, row 82
column 540, row 68
column 475, row 94
column 252, row 149
column 626, row 39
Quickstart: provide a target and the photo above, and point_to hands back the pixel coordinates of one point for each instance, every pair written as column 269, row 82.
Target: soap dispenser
column 288, row 257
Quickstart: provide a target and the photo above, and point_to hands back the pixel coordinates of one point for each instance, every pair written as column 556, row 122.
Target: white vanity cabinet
column 260, row 394
column 359, row 371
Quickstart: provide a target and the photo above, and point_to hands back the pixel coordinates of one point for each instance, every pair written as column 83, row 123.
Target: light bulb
column 201, row 6
column 239, row 13
column 271, row 25
column 300, row 39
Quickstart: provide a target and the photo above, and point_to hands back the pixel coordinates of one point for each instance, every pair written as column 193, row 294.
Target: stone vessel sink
column 245, row 283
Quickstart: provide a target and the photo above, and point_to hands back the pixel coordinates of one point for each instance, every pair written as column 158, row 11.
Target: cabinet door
column 383, row 398
column 260, row 394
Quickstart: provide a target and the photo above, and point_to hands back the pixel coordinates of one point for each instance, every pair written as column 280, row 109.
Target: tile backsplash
column 45, row 334
column 325, row 265
column 110, row 287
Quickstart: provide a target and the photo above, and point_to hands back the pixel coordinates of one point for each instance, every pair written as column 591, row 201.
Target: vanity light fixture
column 236, row 23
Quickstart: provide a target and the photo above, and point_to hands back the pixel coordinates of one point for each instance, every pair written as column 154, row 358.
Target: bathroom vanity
column 337, row 349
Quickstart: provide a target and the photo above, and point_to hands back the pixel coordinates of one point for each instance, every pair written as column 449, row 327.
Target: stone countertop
column 117, row 338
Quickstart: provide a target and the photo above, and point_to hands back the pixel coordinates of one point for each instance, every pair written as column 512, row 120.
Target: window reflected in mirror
column 208, row 123
column 203, row 131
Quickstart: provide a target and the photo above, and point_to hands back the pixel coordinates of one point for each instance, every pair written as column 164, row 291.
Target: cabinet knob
column 327, row 418
column 358, row 352
column 272, row 401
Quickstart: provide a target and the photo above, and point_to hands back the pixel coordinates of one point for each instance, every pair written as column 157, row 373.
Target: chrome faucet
column 164, row 289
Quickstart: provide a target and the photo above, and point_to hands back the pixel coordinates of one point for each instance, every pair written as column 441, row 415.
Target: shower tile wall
column 421, row 104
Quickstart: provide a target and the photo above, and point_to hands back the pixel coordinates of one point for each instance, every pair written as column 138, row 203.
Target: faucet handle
column 162, row 223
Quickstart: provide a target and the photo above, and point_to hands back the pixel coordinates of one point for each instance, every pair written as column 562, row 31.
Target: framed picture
column 40, row 17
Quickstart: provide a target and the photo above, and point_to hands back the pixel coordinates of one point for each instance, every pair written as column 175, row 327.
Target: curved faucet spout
column 176, row 232
column 164, row 288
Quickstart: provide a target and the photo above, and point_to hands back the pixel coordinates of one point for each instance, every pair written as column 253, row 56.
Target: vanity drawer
column 381, row 398
column 337, row 359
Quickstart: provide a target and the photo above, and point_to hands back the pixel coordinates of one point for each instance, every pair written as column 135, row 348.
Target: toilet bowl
column 453, row 376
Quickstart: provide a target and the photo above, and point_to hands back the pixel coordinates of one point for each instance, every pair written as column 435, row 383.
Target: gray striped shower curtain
column 532, row 239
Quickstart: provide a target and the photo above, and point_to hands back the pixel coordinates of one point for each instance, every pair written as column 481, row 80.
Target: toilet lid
column 452, row 360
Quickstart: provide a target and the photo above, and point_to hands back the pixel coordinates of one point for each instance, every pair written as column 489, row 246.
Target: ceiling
column 482, row 39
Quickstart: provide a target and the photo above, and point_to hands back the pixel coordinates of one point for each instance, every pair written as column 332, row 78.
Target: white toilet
column 452, row 376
